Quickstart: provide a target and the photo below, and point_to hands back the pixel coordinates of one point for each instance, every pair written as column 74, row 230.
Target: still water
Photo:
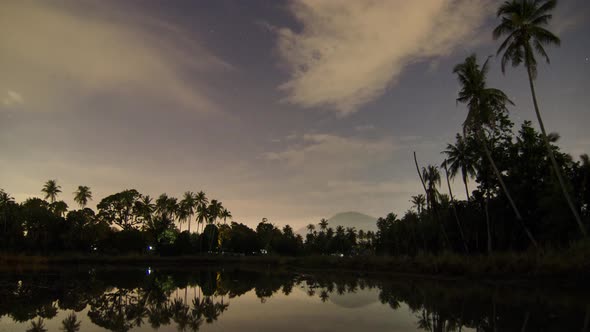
column 232, row 299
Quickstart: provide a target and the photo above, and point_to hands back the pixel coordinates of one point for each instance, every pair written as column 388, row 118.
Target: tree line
column 525, row 192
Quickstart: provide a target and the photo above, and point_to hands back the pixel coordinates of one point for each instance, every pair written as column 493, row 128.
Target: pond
column 240, row 299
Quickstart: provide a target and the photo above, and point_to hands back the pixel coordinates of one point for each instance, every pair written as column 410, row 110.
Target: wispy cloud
column 61, row 55
column 349, row 52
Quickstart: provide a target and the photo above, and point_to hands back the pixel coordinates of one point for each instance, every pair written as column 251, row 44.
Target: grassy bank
column 573, row 263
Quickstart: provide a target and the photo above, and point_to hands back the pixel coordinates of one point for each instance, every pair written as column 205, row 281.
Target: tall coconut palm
column 444, row 165
column 460, row 158
column 201, row 202
column 431, row 177
column 51, row 190
column 525, row 22
column 310, row 228
column 188, row 206
column 202, row 216
column 483, row 105
column 145, row 208
column 162, row 205
column 82, row 196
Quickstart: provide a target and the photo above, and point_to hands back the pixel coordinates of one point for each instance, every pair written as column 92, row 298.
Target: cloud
column 12, row 98
column 348, row 52
column 65, row 55
column 328, row 155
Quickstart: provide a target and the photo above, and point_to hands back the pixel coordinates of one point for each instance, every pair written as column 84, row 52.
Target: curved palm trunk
column 466, row 189
column 189, row 225
column 455, row 209
column 505, row 189
column 421, row 179
column 488, row 224
column 552, row 158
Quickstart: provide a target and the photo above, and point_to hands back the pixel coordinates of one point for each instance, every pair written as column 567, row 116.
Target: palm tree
column 201, row 201
column 460, row 158
column 224, row 215
column 419, row 201
column 483, row 105
column 162, row 205
column 82, row 196
column 310, row 228
column 202, row 216
column 444, row 165
column 524, row 22
column 187, row 206
column 51, row 190
column 323, row 225
column 431, row 177
column 144, row 208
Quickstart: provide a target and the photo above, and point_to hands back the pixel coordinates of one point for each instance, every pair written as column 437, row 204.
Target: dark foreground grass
column 573, row 263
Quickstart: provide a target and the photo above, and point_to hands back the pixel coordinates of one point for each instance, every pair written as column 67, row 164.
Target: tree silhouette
column 483, row 105
column 524, row 23
column 82, row 196
column 51, row 190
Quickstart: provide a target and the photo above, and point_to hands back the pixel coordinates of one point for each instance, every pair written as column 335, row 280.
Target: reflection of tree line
column 124, row 300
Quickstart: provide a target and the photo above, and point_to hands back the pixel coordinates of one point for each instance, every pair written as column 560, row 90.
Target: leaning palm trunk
column 455, row 209
column 421, row 180
column 552, row 157
column 466, row 189
column 504, row 188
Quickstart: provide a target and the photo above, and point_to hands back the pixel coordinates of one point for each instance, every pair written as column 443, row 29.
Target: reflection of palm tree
column 38, row 326
column 82, row 196
column 51, row 190
column 70, row 323
column 525, row 22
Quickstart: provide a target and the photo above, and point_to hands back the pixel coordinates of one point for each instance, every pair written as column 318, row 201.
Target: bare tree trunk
column 455, row 209
column 552, row 158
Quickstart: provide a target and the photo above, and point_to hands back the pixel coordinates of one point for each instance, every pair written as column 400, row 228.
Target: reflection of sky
column 295, row 312
column 213, row 96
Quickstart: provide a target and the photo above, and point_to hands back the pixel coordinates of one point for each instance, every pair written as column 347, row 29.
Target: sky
column 286, row 110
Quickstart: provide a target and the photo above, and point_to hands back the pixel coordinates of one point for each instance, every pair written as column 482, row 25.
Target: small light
column 150, row 248
column 149, row 271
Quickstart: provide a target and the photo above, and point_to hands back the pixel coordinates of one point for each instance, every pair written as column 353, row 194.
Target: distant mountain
column 348, row 219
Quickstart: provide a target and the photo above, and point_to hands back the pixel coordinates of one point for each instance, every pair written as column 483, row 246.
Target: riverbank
column 571, row 264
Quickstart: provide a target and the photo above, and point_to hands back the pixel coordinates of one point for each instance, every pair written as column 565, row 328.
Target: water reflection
column 123, row 300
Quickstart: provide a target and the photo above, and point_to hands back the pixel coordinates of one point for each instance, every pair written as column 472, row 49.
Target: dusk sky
column 289, row 110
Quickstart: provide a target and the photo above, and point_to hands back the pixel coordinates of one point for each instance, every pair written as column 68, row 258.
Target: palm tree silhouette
column 38, row 326
column 431, row 177
column 70, row 323
column 201, row 201
column 419, row 201
column 51, row 190
column 82, row 196
column 188, row 206
column 524, row 22
column 460, row 158
column 483, row 104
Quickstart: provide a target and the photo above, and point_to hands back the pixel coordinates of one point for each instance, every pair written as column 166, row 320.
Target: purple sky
column 289, row 110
